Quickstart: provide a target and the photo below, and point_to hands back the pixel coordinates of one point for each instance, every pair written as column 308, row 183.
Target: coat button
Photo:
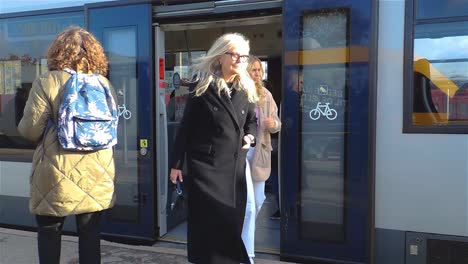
column 243, row 112
column 215, row 108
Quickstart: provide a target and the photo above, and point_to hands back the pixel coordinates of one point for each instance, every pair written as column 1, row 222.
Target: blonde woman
column 259, row 156
column 217, row 129
column 61, row 180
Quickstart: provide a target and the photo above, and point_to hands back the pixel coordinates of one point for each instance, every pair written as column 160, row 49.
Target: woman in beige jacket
column 259, row 157
column 64, row 182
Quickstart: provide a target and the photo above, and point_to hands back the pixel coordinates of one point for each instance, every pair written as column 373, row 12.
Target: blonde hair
column 76, row 48
column 207, row 69
column 259, row 88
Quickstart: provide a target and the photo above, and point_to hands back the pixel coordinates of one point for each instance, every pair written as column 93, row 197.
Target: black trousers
column 49, row 237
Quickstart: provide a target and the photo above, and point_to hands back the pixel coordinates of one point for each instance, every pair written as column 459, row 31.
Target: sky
column 442, row 49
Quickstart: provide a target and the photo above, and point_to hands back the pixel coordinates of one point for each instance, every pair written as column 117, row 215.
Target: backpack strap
column 70, row 71
column 51, row 122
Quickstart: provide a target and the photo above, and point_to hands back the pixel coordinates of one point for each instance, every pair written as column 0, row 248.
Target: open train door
column 326, row 159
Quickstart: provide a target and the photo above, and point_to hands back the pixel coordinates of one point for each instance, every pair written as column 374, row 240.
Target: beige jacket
column 260, row 161
column 62, row 182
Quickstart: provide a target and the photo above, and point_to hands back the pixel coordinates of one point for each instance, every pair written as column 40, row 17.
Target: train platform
column 20, row 247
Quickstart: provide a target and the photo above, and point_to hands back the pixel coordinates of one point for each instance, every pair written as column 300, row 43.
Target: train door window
column 436, row 93
column 123, row 75
column 323, row 129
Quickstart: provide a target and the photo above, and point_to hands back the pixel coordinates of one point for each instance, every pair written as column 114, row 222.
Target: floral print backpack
column 87, row 117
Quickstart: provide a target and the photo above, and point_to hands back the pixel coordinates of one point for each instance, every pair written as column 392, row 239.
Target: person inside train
column 259, row 156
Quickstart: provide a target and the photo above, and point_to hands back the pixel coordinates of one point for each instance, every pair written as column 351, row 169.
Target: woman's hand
column 248, row 140
column 176, row 175
column 269, row 123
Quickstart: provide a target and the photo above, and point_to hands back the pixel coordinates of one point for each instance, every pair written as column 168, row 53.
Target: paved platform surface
column 20, row 247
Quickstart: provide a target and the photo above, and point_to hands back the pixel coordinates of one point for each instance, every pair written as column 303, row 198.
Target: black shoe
column 276, row 215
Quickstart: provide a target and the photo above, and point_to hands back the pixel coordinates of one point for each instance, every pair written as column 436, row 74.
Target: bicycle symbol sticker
column 323, row 109
column 123, row 111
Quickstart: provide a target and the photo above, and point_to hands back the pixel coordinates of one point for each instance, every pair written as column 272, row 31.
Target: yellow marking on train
column 327, row 56
column 430, row 119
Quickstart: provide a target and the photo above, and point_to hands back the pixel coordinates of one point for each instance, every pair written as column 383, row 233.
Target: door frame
column 191, row 15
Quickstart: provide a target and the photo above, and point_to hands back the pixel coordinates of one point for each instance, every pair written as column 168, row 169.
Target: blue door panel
column 126, row 35
column 325, row 157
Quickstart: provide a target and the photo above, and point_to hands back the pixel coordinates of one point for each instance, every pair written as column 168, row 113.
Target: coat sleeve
column 250, row 126
column 273, row 113
column 182, row 137
column 37, row 112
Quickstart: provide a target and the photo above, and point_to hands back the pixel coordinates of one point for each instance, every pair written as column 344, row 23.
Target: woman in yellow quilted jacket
column 64, row 182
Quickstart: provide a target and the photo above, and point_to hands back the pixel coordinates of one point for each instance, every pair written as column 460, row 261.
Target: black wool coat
column 210, row 135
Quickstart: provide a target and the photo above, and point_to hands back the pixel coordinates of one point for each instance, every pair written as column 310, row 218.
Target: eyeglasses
column 236, row 57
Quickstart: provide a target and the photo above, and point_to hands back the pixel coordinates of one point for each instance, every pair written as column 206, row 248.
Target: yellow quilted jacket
column 62, row 182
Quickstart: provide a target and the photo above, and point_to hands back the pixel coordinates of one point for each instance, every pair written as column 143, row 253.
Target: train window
column 437, row 98
column 427, row 9
column 24, row 43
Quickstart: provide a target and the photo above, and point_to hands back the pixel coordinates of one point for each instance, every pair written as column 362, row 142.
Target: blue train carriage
column 370, row 159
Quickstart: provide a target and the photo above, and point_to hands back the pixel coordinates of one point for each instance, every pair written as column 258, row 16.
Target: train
column 369, row 166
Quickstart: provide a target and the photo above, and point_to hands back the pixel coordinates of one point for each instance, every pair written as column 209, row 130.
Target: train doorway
column 176, row 45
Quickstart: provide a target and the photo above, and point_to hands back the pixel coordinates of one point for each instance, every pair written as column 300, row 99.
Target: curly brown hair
column 75, row 48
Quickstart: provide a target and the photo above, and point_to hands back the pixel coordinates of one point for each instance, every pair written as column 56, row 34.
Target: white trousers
column 255, row 199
